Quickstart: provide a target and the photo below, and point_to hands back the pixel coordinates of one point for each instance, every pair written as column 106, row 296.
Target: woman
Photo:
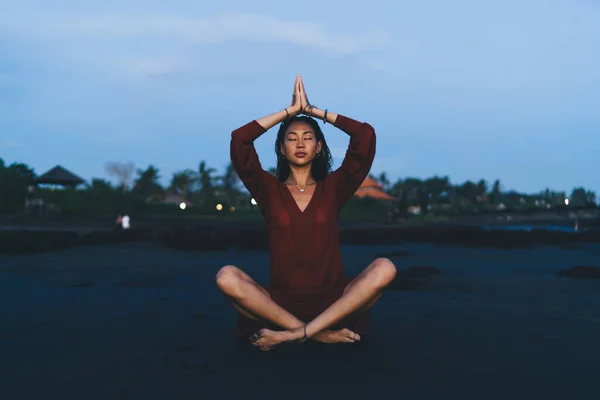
column 309, row 296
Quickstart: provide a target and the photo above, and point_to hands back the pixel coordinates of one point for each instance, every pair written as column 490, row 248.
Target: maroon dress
column 306, row 271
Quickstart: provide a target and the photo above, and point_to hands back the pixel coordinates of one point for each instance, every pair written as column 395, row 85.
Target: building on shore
column 373, row 189
column 60, row 176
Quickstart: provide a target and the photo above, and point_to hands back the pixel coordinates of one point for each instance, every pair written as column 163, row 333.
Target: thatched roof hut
column 60, row 176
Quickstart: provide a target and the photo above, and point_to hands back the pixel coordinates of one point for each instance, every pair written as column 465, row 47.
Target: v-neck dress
column 306, row 270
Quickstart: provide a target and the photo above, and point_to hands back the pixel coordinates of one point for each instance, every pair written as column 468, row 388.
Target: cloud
column 249, row 28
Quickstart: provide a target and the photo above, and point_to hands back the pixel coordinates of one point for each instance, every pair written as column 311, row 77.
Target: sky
column 467, row 89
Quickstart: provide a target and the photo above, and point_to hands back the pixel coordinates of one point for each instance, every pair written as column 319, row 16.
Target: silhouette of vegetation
column 202, row 189
column 14, row 181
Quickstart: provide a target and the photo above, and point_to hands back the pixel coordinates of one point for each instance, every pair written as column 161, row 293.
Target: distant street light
column 182, row 206
column 566, row 202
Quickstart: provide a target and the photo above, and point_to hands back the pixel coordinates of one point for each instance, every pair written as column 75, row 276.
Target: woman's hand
column 296, row 107
column 303, row 98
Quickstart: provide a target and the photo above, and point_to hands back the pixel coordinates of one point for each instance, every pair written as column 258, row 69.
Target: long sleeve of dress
column 245, row 160
column 358, row 159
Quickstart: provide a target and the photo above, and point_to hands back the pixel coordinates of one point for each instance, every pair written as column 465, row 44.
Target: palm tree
column 206, row 181
column 482, row 191
column 230, row 179
column 385, row 182
column 181, row 181
column 496, row 192
column 230, row 183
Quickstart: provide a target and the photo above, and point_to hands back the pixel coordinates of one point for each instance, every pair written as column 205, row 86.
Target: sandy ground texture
column 137, row 321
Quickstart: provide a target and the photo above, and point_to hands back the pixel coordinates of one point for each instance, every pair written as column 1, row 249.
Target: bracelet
column 287, row 113
column 325, row 117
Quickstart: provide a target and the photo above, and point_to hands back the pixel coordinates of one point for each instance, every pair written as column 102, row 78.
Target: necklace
column 290, row 182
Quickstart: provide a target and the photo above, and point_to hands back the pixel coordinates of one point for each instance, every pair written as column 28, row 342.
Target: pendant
column 301, row 190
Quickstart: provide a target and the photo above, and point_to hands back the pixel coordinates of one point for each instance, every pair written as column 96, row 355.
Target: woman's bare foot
column 342, row 336
column 266, row 339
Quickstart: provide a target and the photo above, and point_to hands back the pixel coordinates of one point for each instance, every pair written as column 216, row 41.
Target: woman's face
column 300, row 145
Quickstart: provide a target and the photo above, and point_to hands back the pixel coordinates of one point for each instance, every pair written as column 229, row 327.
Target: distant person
column 309, row 296
column 125, row 222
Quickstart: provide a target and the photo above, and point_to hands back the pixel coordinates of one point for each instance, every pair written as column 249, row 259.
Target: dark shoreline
column 222, row 234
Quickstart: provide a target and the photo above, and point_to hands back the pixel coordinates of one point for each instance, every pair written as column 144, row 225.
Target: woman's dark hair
column 321, row 164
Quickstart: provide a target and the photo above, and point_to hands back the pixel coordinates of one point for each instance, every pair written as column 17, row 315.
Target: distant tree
column 230, row 179
column 482, row 187
column 438, row 189
column 147, row 184
column 100, row 184
column 558, row 198
column 469, row 191
column 400, row 192
column 181, row 182
column 496, row 192
column 25, row 171
column 591, row 197
column 229, row 183
column 123, row 172
column 13, row 188
column 410, row 192
column 582, row 198
column 205, row 179
column 384, row 181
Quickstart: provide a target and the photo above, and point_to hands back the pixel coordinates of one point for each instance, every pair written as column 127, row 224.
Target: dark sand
column 137, row 321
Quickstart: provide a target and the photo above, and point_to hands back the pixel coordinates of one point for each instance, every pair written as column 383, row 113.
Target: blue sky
column 468, row 89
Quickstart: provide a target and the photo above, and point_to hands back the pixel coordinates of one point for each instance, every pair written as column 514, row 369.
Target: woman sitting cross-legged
column 309, row 296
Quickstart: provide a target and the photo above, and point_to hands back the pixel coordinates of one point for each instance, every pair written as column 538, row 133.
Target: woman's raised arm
column 243, row 154
column 361, row 150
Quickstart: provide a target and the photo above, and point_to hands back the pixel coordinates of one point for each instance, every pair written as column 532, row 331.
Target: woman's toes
column 351, row 335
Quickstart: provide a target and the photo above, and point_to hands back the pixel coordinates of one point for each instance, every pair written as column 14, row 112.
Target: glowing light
column 232, row 209
column 219, row 207
column 253, row 202
column 182, row 206
column 566, row 202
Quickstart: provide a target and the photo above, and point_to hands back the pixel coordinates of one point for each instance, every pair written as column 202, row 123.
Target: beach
column 142, row 321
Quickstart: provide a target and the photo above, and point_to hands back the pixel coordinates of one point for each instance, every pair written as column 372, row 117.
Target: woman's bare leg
column 360, row 295
column 253, row 301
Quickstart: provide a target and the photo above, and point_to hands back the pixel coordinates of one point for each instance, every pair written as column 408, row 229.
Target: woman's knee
column 228, row 279
column 385, row 271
